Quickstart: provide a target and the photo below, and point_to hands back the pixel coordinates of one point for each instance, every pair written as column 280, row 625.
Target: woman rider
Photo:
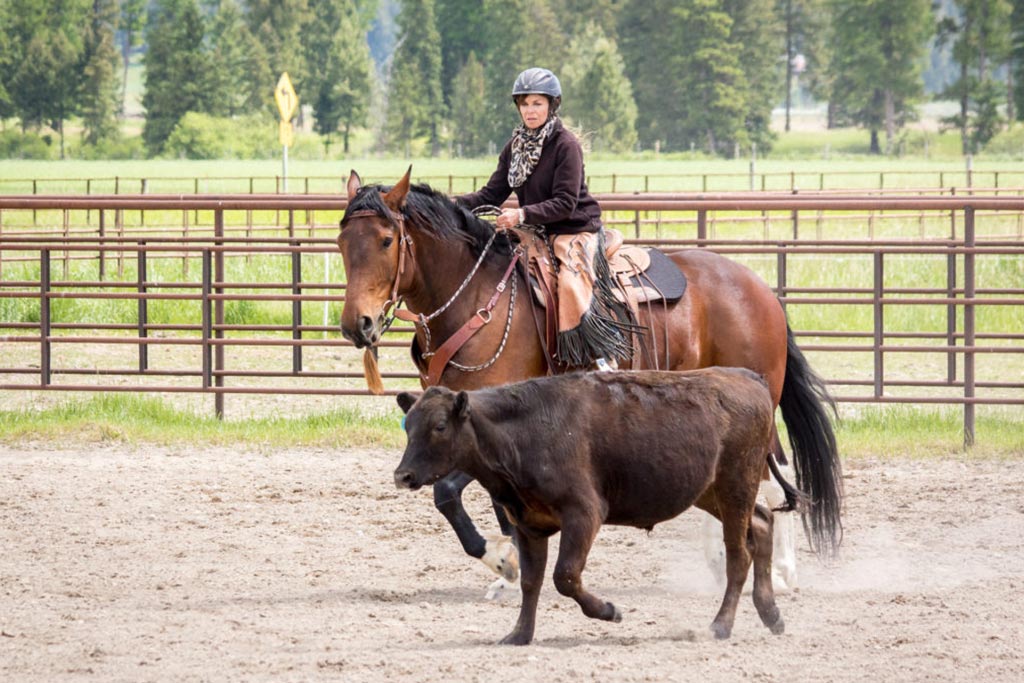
column 543, row 164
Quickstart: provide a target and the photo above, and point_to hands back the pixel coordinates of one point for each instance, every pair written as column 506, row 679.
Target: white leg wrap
column 501, row 557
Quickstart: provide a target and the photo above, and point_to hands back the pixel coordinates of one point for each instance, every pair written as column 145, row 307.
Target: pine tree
column 240, row 71
column 598, row 96
column 177, row 70
column 45, row 87
column 460, row 25
column 100, row 97
column 278, row 26
column 876, row 67
column 338, row 59
column 131, row 24
column 689, row 85
column 415, row 100
column 469, row 108
column 513, row 45
column 758, row 36
column 981, row 39
column 7, row 60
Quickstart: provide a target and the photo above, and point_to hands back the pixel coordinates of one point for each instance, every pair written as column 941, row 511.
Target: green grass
column 876, row 432
column 888, row 432
column 135, row 419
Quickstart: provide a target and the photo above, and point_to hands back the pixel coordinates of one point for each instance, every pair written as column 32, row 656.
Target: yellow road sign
column 284, row 95
column 284, row 133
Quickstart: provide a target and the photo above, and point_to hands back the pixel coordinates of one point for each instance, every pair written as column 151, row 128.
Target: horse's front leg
column 578, row 533
column 497, row 553
column 533, row 557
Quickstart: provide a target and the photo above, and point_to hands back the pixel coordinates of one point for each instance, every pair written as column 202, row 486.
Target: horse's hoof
column 515, row 638
column 501, row 557
column 778, row 628
column 616, row 615
column 501, row 589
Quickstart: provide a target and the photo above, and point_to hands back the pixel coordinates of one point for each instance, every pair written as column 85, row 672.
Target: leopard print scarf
column 526, row 148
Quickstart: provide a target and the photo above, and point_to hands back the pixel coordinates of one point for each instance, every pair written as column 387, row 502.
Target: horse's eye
column 441, row 426
column 388, row 241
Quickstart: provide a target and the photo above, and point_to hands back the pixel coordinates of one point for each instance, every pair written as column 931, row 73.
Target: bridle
column 438, row 360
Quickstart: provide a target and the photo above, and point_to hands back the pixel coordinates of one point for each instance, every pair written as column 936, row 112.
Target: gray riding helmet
column 538, row 81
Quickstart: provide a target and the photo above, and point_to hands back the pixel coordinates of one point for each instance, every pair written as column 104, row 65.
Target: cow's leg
column 735, row 524
column 533, row 557
column 497, row 555
column 784, row 572
column 577, row 536
column 761, row 547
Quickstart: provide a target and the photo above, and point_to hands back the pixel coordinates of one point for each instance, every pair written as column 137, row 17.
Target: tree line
column 669, row 74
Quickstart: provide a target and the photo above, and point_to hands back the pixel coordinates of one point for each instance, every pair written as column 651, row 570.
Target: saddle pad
column 659, row 279
column 662, row 279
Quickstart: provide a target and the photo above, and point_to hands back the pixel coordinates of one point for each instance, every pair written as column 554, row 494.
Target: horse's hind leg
column 498, row 554
column 760, row 536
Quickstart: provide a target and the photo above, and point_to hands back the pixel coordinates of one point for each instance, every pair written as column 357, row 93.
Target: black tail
column 816, row 460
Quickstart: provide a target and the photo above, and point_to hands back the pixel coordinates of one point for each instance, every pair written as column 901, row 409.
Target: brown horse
column 573, row 452
column 412, row 245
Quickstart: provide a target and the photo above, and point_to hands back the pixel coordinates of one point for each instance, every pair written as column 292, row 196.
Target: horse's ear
column 405, row 400
column 395, row 199
column 461, row 407
column 354, row 183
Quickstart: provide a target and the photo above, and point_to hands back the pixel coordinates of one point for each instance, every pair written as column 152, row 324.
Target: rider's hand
column 509, row 218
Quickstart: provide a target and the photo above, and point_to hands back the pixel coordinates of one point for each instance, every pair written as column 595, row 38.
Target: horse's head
column 372, row 240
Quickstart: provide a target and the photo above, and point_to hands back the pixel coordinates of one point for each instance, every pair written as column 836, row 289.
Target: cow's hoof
column 515, row 638
column 616, row 614
column 720, row 631
column 501, row 557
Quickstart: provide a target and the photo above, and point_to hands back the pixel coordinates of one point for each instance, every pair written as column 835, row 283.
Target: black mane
column 433, row 212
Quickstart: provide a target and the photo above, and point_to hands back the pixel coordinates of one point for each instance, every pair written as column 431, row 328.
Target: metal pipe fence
column 936, row 321
column 992, row 181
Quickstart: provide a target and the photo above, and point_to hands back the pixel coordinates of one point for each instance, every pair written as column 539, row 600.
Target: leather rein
column 438, row 361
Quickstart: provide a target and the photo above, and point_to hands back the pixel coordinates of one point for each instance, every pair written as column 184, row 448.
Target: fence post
column 702, row 226
column 143, row 309
column 968, row 325
column 951, row 312
column 879, row 322
column 781, row 275
column 44, row 317
column 218, row 312
column 296, row 290
column 207, row 332
column 103, row 251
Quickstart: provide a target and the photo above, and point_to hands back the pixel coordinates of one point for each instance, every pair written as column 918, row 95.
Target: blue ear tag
column 403, row 422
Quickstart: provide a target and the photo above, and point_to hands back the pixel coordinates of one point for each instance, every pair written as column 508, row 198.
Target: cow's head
column 438, row 431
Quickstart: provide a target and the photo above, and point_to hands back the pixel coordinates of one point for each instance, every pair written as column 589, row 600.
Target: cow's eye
column 388, row 241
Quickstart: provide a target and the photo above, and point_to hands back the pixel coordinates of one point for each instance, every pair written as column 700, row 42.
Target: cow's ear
column 405, row 400
column 461, row 408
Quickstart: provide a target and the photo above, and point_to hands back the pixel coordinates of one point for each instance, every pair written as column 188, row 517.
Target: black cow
column 572, row 452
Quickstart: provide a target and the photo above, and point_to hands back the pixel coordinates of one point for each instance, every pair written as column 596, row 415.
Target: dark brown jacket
column 555, row 195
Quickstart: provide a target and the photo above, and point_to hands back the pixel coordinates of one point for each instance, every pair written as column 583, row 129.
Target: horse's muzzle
column 366, row 332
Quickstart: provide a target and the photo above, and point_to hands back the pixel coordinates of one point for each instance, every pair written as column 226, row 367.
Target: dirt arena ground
column 148, row 564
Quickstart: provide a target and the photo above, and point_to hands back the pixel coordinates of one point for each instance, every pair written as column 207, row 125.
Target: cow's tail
column 804, row 404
